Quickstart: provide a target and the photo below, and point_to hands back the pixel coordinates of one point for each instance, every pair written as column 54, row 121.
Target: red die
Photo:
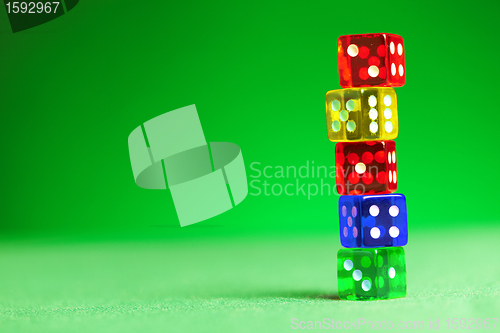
column 370, row 60
column 366, row 167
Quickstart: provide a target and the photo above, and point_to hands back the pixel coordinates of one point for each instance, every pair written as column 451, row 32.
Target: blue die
column 373, row 220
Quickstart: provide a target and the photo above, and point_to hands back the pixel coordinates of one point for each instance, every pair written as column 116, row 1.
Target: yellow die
column 362, row 114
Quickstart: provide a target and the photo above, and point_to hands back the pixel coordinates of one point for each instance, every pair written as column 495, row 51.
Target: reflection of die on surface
column 366, row 167
column 373, row 220
column 359, row 114
column 370, row 274
column 368, row 60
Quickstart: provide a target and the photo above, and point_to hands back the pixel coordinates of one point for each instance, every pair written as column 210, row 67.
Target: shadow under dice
column 371, row 274
column 360, row 114
column 366, row 167
column 373, row 220
column 371, row 60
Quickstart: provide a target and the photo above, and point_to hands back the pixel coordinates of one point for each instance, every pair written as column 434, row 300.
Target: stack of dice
column 363, row 119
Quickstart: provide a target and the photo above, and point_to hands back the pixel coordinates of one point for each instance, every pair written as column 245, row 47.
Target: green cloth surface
column 217, row 279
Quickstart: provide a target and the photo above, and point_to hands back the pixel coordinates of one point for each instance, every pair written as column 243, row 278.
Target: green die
column 371, row 274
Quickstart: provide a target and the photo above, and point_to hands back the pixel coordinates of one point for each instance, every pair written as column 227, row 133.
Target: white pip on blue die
column 373, row 220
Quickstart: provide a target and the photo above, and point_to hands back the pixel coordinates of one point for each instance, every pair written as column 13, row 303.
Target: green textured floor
column 213, row 279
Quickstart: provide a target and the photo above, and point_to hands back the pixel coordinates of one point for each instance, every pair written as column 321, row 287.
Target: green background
column 82, row 247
